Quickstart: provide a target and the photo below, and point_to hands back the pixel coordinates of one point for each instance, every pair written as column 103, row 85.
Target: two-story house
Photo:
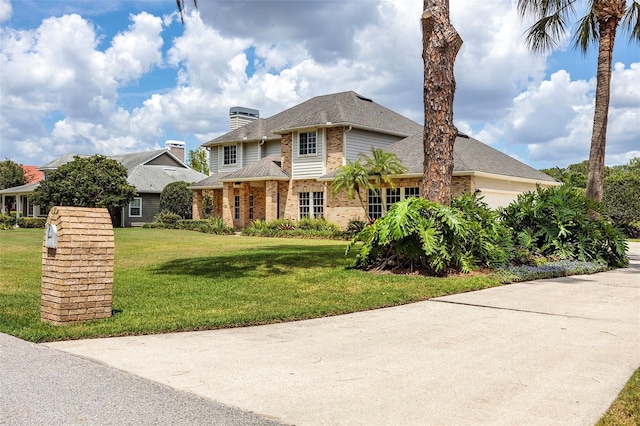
column 282, row 166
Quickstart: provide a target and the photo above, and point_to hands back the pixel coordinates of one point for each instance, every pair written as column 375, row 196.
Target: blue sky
column 110, row 77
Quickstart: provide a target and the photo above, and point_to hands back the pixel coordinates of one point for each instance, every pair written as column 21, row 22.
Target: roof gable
column 346, row 108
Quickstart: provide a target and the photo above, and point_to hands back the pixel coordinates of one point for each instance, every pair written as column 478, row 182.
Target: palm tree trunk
column 440, row 45
column 608, row 14
column 601, row 113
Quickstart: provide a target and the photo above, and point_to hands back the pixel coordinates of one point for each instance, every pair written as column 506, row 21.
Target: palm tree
column 382, row 166
column 440, row 45
column 180, row 5
column 351, row 178
column 598, row 26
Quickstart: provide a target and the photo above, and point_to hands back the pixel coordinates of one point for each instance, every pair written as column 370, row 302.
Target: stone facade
column 462, row 184
column 77, row 275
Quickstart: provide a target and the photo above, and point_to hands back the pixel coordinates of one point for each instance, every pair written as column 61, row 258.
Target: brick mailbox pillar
column 77, row 265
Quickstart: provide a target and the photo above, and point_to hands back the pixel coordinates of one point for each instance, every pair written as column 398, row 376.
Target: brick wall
column 77, row 276
column 335, row 138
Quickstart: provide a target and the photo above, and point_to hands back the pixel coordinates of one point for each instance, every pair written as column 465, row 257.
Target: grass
column 171, row 280
column 625, row 410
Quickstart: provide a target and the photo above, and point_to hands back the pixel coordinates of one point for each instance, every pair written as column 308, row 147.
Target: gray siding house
column 148, row 171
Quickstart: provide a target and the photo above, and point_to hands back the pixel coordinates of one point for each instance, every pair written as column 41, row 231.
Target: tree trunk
column 440, row 45
column 608, row 15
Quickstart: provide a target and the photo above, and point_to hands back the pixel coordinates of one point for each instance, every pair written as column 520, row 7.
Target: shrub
column 354, row 226
column 417, row 234
column 286, row 228
column 7, row 221
column 167, row 218
column 32, row 222
column 213, row 225
column 178, row 199
column 207, row 205
column 319, row 224
column 489, row 238
column 554, row 222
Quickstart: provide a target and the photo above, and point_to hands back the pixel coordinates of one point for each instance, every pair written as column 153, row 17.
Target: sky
column 116, row 76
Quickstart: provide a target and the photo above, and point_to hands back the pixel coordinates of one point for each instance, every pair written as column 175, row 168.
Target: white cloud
column 6, row 11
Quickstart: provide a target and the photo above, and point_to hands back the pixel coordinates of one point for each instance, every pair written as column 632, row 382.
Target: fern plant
column 555, row 222
column 418, row 235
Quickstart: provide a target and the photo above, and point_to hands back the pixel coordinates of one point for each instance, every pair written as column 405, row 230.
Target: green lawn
column 625, row 410
column 170, row 280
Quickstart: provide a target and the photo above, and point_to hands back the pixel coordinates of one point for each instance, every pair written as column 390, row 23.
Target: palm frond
column 631, row 22
column 586, row 33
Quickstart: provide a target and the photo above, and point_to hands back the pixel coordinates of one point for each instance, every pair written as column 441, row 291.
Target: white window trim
column 319, row 139
column 312, row 205
column 383, row 196
column 222, row 153
column 135, row 215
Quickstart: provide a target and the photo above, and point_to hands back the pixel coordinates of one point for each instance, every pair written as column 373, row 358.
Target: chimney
column 240, row 116
column 177, row 148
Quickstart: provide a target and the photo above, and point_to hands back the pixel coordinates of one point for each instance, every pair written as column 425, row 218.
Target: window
column 236, row 207
column 307, row 143
column 303, row 204
column 374, row 205
column 413, row 191
column 250, row 207
column 135, row 207
column 311, row 204
column 318, row 205
column 393, row 196
column 230, row 154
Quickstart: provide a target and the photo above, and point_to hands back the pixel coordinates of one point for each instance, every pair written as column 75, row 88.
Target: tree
column 381, row 166
column 177, row 198
column 368, row 172
column 351, row 178
column 95, row 181
column 440, row 45
column 574, row 174
column 11, row 174
column 198, row 160
column 597, row 27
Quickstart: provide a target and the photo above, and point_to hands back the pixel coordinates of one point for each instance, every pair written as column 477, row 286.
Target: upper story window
column 308, row 143
column 230, row 154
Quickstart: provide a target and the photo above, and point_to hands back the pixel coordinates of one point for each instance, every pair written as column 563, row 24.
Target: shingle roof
column 22, row 189
column 210, row 182
column 61, row 161
column 146, row 178
column 267, row 168
column 346, row 108
column 469, row 155
column 133, row 159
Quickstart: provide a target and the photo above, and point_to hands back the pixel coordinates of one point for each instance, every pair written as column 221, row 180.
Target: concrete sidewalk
column 546, row 352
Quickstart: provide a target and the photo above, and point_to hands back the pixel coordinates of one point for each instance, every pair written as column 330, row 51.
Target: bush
column 622, row 202
column 207, row 205
column 178, row 199
column 213, row 225
column 32, row 222
column 418, row 235
column 354, row 226
column 7, row 221
column 286, row 228
column 554, row 222
column 167, row 218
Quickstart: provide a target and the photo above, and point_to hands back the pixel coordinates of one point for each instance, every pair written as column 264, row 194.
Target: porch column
column 196, row 208
column 271, row 200
column 227, row 203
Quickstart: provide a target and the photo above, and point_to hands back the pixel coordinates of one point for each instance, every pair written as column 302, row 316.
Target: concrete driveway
column 546, row 352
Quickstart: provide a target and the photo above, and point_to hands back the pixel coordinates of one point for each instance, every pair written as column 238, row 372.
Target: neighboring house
column 148, row 171
column 16, row 200
column 282, row 166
